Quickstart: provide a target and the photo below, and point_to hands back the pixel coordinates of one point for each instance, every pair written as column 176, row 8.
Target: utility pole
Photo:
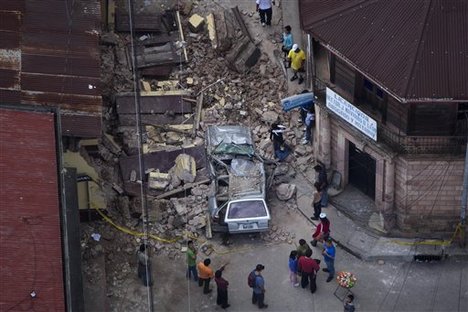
column 464, row 200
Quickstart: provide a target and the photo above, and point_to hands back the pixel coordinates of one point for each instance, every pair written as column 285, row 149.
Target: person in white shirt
column 264, row 8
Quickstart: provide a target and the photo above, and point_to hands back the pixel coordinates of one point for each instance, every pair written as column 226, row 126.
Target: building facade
column 393, row 104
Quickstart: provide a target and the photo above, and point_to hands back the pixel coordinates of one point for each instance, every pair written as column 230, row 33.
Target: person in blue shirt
column 293, row 268
column 258, row 296
column 329, row 258
column 287, row 40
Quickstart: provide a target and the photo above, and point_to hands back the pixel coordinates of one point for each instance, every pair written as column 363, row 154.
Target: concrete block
column 196, row 23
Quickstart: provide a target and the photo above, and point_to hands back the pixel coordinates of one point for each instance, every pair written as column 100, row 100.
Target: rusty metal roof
column 49, row 54
column 30, row 236
column 415, row 49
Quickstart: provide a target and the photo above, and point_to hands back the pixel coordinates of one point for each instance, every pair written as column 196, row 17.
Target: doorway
column 361, row 172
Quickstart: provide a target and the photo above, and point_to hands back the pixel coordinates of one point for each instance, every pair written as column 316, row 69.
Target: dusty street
column 393, row 286
column 252, row 99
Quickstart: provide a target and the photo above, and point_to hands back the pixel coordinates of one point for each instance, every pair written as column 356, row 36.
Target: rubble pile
column 226, row 79
column 179, row 216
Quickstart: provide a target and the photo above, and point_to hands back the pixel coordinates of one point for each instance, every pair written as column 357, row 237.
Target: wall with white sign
column 351, row 114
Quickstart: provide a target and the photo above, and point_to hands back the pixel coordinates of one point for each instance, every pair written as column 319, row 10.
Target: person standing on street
column 302, row 248
column 309, row 123
column 265, row 10
column 191, row 261
column 328, row 253
column 205, row 274
column 258, row 296
column 322, row 231
column 323, row 181
column 297, row 58
column 287, row 41
column 316, row 201
column 144, row 266
column 222, row 287
column 293, row 268
column 308, row 268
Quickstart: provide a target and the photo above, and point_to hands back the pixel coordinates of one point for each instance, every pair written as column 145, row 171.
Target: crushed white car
column 237, row 198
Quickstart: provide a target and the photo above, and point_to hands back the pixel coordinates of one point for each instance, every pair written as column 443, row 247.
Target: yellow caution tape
column 432, row 242
column 165, row 240
column 134, row 233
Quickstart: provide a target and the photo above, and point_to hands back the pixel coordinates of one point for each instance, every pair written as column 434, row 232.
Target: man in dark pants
column 323, row 181
column 308, row 268
column 205, row 274
column 222, row 286
column 264, row 8
column 258, row 296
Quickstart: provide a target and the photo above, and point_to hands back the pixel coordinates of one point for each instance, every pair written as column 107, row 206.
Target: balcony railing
column 405, row 144
column 422, row 144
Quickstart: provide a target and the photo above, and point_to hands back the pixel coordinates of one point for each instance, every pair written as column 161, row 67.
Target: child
column 349, row 304
column 287, row 40
column 293, row 268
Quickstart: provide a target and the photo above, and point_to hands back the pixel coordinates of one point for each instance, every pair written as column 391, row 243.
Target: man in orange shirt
column 205, row 274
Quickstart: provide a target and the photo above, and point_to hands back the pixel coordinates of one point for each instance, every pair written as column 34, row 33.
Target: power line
column 141, row 166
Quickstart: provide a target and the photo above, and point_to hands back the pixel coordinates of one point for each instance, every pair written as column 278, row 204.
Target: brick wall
column 428, row 193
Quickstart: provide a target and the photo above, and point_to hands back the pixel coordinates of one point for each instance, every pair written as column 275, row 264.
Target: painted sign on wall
column 351, row 114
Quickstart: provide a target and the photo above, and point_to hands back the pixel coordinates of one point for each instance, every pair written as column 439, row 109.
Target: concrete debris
column 285, row 191
column 196, row 23
column 158, row 180
column 184, row 168
column 270, row 117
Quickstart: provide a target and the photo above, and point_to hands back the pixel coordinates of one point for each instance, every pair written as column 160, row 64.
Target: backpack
column 251, row 279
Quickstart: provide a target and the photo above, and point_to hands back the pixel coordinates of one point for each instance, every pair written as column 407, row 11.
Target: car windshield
column 247, row 209
column 234, row 149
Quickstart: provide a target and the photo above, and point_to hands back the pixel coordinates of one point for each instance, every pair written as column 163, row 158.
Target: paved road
column 393, row 286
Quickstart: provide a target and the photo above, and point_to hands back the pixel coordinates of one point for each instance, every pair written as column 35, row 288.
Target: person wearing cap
column 297, row 58
column 287, row 40
column 328, row 253
column 322, row 231
column 265, row 10
column 258, row 296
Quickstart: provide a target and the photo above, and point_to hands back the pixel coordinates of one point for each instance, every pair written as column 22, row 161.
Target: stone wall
column 428, row 192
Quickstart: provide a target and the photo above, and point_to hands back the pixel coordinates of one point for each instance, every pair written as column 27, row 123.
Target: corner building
column 391, row 78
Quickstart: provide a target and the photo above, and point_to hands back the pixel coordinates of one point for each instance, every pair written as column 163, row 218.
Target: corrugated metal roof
column 49, row 54
column 30, row 237
column 416, row 49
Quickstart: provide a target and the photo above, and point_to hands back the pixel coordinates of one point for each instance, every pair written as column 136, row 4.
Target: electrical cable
column 139, row 128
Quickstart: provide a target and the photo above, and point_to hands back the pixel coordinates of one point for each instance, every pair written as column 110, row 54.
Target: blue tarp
column 299, row 100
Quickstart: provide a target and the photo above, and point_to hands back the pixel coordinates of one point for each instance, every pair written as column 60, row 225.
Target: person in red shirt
column 322, row 231
column 308, row 268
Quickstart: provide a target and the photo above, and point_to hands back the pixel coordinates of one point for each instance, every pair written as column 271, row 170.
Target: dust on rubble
column 250, row 98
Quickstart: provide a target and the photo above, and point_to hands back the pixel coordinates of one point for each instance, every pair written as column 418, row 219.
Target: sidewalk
column 357, row 240
column 363, row 242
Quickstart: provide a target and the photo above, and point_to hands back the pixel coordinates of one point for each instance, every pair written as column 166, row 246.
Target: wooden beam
column 198, row 109
column 110, row 15
column 210, row 20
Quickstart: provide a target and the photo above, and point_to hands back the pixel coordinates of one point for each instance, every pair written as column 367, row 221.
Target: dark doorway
column 362, row 171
